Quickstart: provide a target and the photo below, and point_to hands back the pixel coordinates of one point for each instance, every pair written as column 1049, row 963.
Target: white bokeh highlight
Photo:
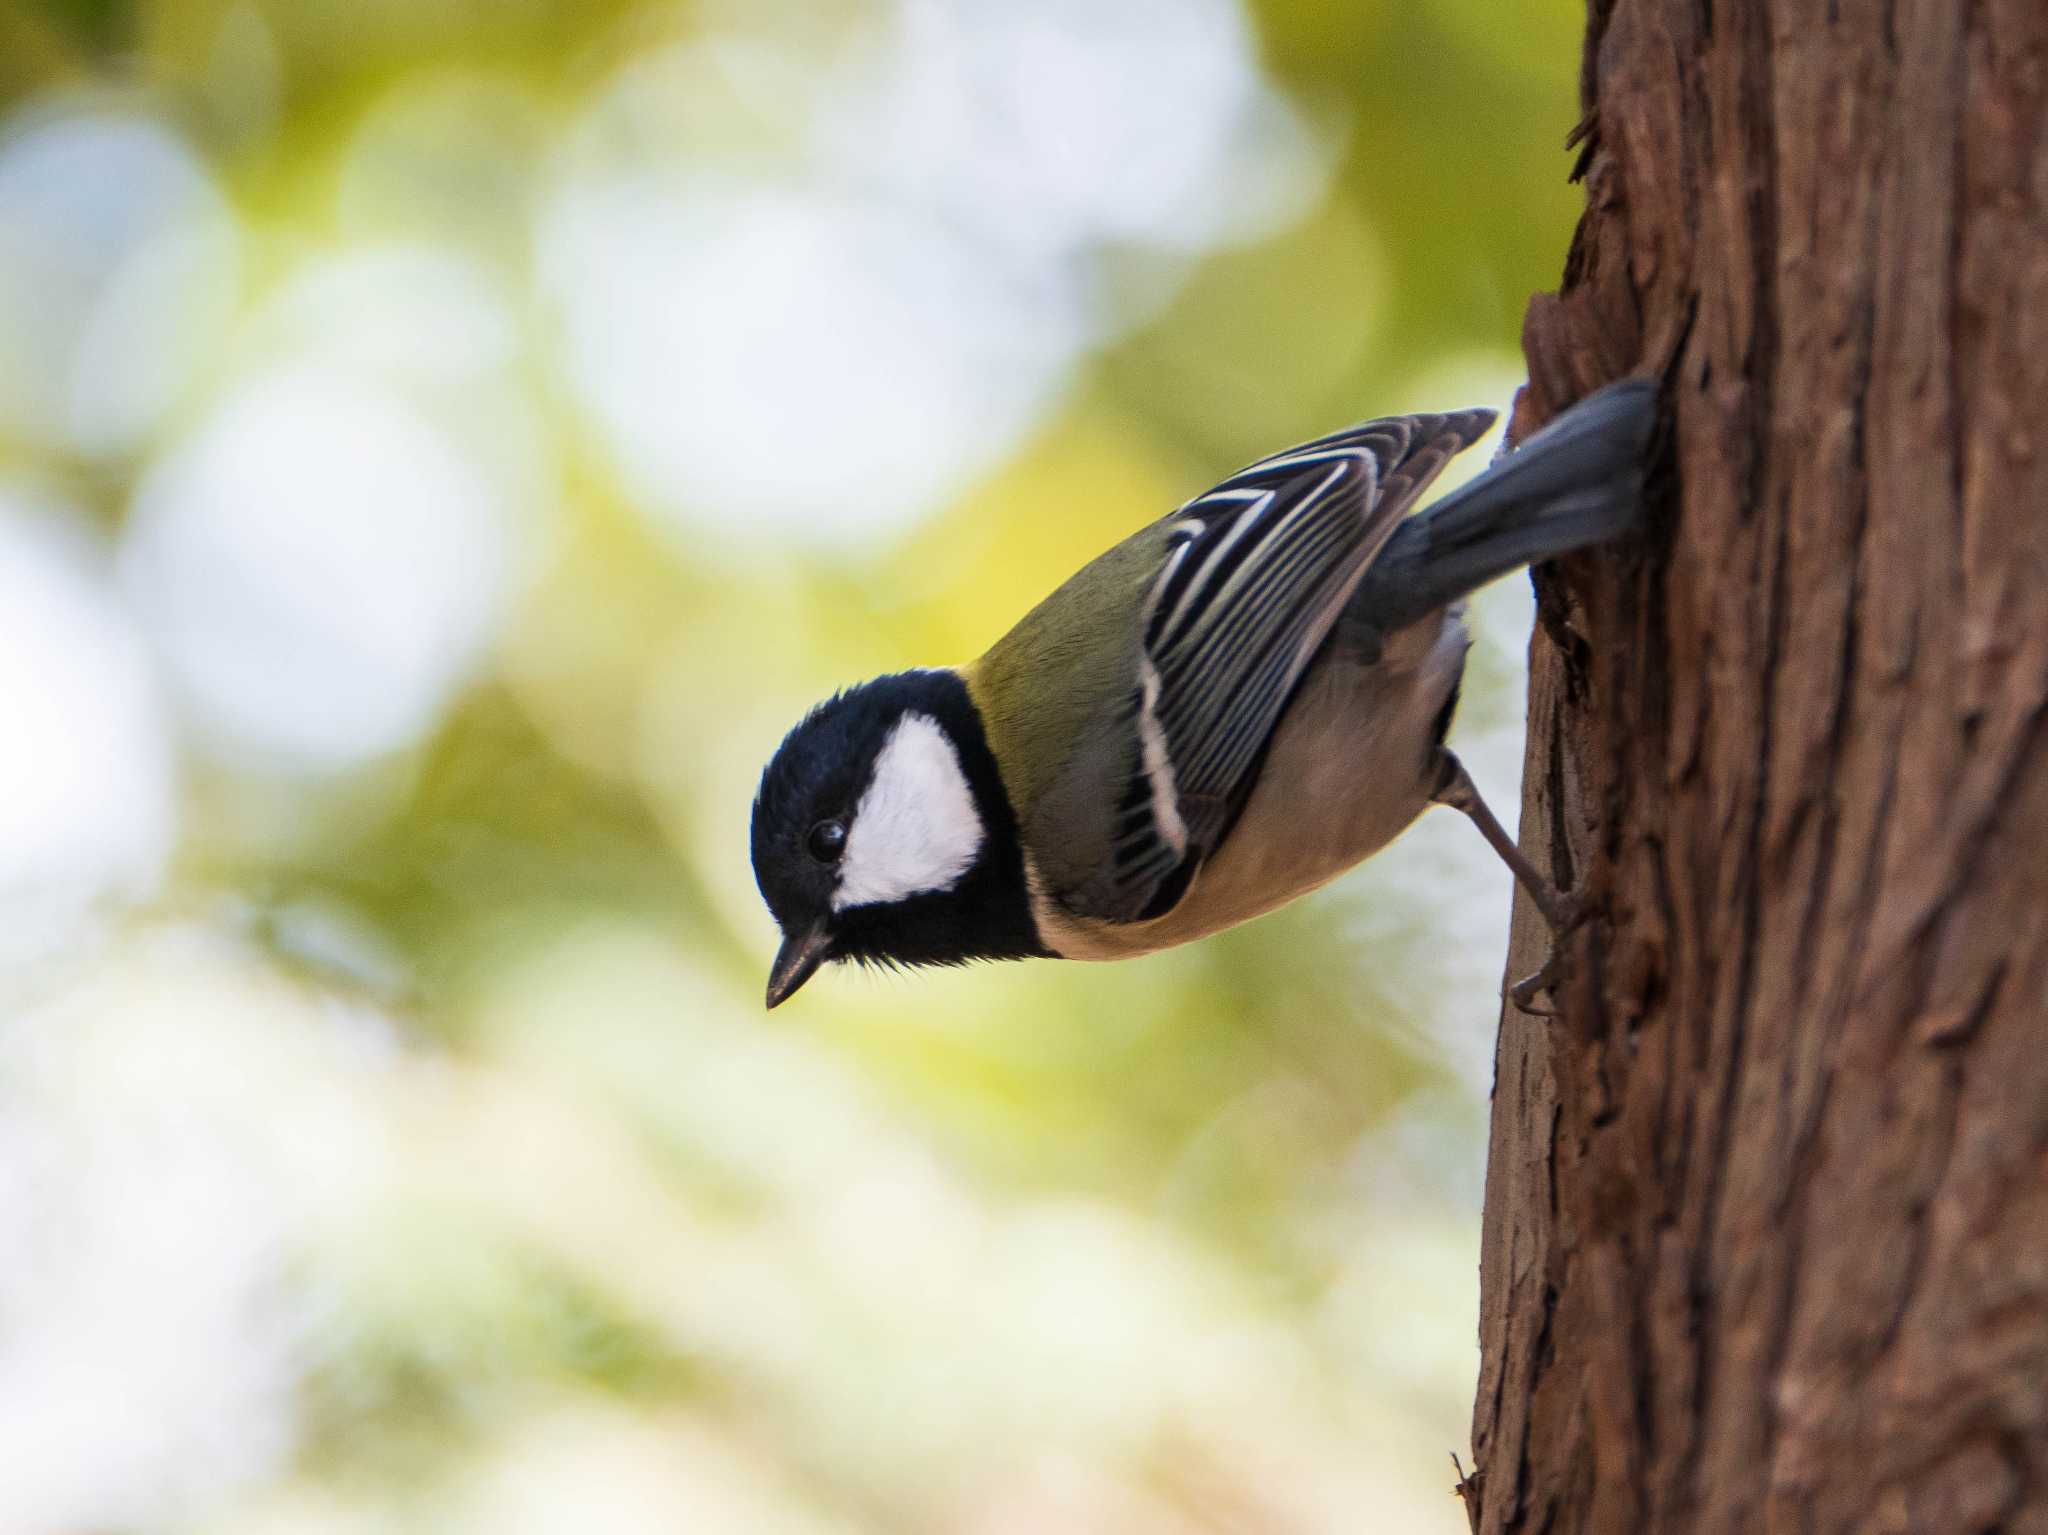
column 320, row 568
column 406, row 312
column 177, row 1124
column 1058, row 127
column 119, row 271
column 821, row 324
column 87, row 781
column 770, row 360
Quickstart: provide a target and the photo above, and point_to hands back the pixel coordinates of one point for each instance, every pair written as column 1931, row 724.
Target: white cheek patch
column 916, row 828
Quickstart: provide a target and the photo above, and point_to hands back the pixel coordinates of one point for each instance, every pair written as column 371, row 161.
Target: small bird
column 1225, row 711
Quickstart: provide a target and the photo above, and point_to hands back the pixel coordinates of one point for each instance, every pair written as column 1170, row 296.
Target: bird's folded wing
column 1255, row 573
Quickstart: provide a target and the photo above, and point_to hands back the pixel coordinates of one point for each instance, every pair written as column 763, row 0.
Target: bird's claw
column 1525, row 991
column 1564, row 911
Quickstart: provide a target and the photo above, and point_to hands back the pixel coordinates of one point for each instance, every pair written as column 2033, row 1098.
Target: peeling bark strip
column 1766, row 1239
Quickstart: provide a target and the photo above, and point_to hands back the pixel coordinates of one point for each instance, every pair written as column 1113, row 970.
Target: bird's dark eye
column 826, row 841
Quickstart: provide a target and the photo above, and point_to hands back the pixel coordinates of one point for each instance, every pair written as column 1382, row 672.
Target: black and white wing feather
column 1256, row 572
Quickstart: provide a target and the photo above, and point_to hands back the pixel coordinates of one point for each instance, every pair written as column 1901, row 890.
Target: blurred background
column 443, row 445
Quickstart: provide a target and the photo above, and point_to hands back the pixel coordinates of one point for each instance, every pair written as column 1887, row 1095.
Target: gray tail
column 1577, row 482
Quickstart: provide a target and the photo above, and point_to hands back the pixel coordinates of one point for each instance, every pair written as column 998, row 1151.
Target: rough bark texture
column 1767, row 1214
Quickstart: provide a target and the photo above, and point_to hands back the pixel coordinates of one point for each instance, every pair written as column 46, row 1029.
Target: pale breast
column 1350, row 766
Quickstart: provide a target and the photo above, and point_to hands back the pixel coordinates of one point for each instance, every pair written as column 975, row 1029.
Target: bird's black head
column 882, row 834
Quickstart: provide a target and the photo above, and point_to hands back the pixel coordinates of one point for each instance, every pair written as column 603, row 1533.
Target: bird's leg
column 1458, row 791
column 1560, row 908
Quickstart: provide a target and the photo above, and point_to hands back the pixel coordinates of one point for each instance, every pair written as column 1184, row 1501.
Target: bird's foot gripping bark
column 1525, row 991
column 1564, row 911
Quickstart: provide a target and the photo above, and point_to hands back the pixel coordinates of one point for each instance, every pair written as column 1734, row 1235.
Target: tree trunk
column 1766, row 1242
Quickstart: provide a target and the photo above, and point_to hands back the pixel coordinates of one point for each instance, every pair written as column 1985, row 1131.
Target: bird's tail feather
column 1579, row 481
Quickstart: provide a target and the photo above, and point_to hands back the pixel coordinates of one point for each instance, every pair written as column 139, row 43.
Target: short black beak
column 797, row 961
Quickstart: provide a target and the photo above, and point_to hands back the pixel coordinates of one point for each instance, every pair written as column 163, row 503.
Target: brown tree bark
column 1766, row 1240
